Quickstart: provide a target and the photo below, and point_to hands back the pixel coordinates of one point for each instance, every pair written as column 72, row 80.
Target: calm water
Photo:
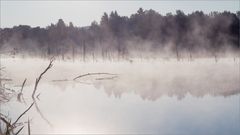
column 156, row 97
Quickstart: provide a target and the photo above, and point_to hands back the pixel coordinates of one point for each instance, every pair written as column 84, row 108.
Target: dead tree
column 20, row 94
column 35, row 89
column 40, row 77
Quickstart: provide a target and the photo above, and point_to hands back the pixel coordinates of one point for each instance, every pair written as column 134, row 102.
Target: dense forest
column 145, row 34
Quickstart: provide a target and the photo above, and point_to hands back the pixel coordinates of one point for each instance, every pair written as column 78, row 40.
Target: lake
column 141, row 96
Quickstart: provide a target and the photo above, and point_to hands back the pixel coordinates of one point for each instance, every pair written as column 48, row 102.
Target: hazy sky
column 82, row 13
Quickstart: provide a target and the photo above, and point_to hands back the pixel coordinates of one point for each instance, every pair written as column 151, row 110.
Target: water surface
column 156, row 97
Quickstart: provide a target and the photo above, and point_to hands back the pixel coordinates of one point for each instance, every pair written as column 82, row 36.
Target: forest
column 144, row 34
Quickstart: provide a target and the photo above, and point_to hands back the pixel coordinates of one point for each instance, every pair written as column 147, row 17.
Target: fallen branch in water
column 40, row 77
column 63, row 80
column 88, row 74
column 107, row 78
column 87, row 83
column 5, row 79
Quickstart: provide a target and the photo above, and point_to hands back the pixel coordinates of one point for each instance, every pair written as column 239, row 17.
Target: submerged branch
column 60, row 80
column 107, row 78
column 88, row 74
column 5, row 79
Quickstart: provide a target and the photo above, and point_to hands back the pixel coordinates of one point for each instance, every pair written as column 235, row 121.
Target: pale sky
column 82, row 13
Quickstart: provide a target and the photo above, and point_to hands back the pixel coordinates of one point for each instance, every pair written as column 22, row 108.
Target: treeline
column 144, row 34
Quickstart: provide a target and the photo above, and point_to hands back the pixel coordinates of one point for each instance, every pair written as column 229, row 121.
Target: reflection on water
column 154, row 88
column 200, row 97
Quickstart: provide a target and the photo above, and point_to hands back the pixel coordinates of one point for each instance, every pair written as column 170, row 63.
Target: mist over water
column 144, row 34
column 146, row 73
column 144, row 96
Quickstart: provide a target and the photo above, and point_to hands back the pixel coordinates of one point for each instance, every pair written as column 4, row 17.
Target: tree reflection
column 154, row 88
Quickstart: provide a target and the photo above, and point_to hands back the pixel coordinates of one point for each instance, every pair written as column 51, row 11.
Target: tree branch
column 40, row 77
column 23, row 114
column 21, row 93
column 92, row 74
